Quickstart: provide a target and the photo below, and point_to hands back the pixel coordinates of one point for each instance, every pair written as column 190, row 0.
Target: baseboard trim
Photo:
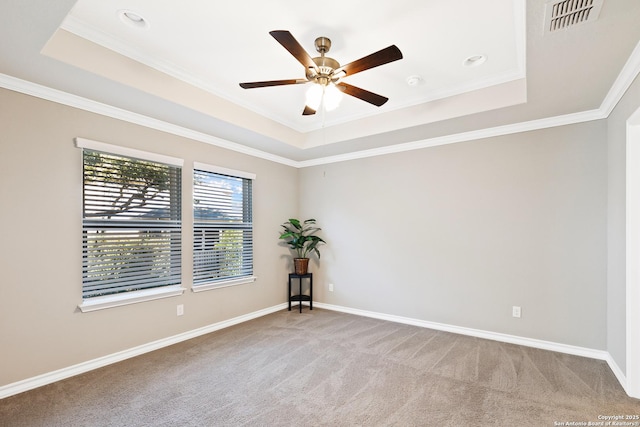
column 495, row 336
column 80, row 368
column 61, row 374
column 622, row 379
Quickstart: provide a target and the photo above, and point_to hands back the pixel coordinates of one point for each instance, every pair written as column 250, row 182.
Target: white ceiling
column 185, row 65
column 215, row 46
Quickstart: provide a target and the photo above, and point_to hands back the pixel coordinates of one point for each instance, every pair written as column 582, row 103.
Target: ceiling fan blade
column 308, row 111
column 291, row 44
column 365, row 95
column 381, row 57
column 253, row 85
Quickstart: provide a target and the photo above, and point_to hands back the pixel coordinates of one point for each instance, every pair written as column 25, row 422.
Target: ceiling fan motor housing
column 325, row 66
column 324, row 72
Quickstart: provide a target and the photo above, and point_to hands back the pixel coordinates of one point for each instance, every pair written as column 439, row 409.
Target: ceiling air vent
column 561, row 14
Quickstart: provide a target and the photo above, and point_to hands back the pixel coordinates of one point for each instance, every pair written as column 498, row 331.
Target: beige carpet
column 323, row 368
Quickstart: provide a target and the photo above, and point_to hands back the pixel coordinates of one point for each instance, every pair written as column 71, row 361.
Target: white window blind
column 223, row 228
column 131, row 224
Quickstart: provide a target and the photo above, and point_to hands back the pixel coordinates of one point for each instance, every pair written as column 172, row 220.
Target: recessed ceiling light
column 474, row 60
column 414, row 80
column 132, row 18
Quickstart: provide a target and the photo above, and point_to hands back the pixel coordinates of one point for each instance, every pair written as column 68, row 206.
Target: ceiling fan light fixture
column 332, row 97
column 314, row 96
column 328, row 96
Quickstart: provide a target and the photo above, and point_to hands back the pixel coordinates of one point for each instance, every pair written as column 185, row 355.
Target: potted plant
column 301, row 238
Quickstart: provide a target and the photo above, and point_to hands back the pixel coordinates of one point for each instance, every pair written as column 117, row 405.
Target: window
column 131, row 223
column 223, row 227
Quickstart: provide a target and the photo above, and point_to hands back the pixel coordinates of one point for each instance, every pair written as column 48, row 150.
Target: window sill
column 109, row 301
column 223, row 284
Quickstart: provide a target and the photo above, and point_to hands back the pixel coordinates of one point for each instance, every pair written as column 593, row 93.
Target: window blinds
column 131, row 224
column 223, row 228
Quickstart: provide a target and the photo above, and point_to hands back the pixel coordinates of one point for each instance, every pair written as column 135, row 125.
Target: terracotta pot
column 301, row 265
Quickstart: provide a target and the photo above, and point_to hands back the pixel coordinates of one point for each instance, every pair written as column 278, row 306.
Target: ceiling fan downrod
column 325, row 66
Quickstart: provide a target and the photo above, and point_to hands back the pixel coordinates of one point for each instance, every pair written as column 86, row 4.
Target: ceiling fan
column 326, row 73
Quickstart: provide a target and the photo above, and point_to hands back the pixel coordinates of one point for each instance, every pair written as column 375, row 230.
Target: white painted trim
column 129, row 152
column 626, row 77
column 60, row 97
column 618, row 373
column 51, row 377
column 494, row 336
column 223, row 171
column 567, row 119
column 81, row 29
column 127, row 298
column 622, row 83
column 80, row 368
column 632, row 257
column 223, row 284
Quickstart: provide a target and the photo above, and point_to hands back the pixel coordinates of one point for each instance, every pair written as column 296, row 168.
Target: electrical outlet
column 516, row 311
column 180, row 309
column 330, row 287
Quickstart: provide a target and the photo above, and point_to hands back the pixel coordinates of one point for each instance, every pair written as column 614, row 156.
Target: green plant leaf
column 295, row 223
column 300, row 236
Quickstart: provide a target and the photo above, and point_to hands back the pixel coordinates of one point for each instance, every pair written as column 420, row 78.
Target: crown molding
column 78, row 27
column 626, row 77
column 461, row 137
column 64, row 98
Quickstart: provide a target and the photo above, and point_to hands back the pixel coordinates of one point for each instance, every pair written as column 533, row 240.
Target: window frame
column 233, row 281
column 140, row 295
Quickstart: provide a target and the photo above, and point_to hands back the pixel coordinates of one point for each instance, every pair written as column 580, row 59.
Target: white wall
column 454, row 234
column 41, row 329
column 616, row 228
column 459, row 234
